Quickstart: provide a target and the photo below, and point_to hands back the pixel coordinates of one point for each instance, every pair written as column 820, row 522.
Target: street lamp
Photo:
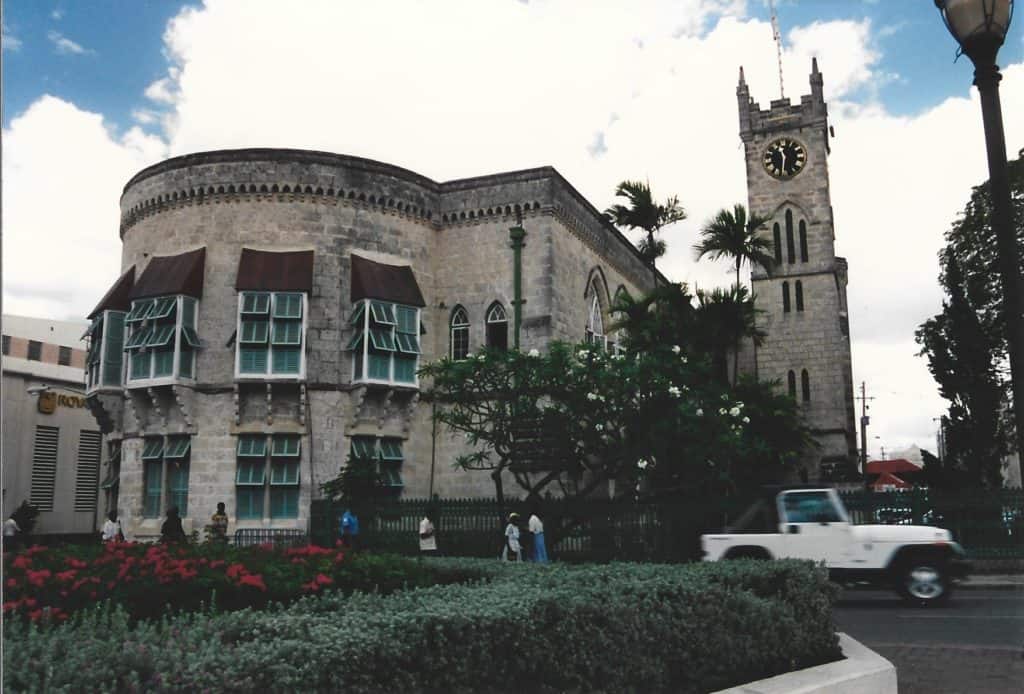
column 980, row 27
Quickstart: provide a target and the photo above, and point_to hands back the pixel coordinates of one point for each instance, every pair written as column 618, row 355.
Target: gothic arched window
column 785, row 297
column 459, row 332
column 799, row 295
column 803, row 241
column 805, row 385
column 777, row 237
column 790, row 249
column 497, row 327
column 594, row 333
column 791, row 382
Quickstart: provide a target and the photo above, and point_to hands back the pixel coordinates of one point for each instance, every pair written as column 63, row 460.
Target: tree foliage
column 966, row 344
column 733, row 235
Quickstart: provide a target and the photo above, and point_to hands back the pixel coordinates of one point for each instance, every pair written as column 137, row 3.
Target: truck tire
column 748, row 552
column 923, row 580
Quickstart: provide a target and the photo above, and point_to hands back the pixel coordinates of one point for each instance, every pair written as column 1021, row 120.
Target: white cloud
column 64, row 45
column 62, row 172
column 57, row 15
column 467, row 88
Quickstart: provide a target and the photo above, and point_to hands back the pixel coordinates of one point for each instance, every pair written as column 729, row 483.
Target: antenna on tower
column 777, row 36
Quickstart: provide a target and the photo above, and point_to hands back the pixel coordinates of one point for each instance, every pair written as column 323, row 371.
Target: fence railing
column 988, row 524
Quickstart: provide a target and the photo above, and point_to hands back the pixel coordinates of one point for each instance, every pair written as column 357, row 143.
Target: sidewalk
column 992, row 582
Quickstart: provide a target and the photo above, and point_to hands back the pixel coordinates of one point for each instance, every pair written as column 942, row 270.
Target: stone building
column 52, row 445
column 802, row 298
column 275, row 304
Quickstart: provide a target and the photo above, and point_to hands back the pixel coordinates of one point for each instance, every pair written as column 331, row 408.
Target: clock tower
column 802, row 299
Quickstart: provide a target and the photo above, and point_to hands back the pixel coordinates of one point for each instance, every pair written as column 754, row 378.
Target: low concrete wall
column 861, row 672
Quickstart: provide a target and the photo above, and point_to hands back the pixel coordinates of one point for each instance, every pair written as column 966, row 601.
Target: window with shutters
column 165, row 471
column 44, row 467
column 497, row 327
column 267, row 476
column 271, row 335
column 385, row 342
column 161, row 340
column 459, row 334
column 87, row 471
column 387, row 453
column 104, row 360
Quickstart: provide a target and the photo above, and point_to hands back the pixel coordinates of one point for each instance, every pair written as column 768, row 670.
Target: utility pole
column 864, row 420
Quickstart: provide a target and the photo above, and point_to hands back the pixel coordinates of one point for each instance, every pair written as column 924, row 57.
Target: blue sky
column 121, row 50
column 641, row 89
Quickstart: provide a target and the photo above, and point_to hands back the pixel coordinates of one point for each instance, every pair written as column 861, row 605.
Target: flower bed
column 51, row 583
column 616, row 627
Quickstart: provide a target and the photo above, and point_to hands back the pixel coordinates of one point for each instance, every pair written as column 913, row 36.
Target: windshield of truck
column 810, row 507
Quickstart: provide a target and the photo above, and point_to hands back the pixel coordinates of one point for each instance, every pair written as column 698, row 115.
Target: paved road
column 973, row 644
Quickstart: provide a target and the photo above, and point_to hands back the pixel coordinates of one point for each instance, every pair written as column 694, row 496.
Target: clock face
column 784, row 158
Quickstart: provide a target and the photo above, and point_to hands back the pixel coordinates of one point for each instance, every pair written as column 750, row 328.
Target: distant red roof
column 895, row 466
column 887, row 479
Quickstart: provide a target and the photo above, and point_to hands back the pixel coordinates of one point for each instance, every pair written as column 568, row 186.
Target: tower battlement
column 782, row 113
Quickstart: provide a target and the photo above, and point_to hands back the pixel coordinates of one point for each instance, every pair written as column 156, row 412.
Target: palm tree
column 643, row 213
column 733, row 235
column 724, row 317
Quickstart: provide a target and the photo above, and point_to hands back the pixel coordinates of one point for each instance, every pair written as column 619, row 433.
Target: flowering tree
column 577, row 418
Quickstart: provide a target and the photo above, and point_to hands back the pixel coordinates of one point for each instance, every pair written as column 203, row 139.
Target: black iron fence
column 990, row 524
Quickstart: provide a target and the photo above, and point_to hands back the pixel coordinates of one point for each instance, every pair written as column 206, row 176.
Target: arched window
column 790, row 249
column 594, row 333
column 497, row 327
column 785, row 297
column 805, row 385
column 777, row 237
column 799, row 295
column 803, row 241
column 791, row 382
column 459, row 332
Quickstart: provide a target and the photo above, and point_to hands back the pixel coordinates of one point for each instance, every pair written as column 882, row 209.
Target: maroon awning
column 275, row 271
column 395, row 283
column 172, row 274
column 117, row 297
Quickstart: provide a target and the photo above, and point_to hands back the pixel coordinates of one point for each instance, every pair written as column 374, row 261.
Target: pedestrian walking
column 428, row 536
column 112, row 528
column 349, row 529
column 219, row 524
column 540, row 552
column 11, row 530
column 512, row 551
column 171, row 531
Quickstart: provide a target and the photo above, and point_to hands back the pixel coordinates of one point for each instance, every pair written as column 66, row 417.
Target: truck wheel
column 924, row 581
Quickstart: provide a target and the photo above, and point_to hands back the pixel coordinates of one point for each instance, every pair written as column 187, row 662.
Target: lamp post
column 980, row 27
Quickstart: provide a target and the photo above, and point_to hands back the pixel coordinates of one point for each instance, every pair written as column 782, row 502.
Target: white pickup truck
column 800, row 522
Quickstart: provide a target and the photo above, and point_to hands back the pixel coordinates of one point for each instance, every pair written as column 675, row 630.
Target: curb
column 862, row 671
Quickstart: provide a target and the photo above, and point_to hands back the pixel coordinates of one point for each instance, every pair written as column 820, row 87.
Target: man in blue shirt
column 349, row 529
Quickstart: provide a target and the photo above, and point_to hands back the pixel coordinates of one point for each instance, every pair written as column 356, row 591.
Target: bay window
column 162, row 339
column 271, row 331
column 385, row 344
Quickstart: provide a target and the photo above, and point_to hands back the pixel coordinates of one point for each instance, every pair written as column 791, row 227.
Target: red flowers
column 46, row 584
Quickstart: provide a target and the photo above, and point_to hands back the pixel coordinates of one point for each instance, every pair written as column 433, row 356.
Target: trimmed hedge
column 615, row 627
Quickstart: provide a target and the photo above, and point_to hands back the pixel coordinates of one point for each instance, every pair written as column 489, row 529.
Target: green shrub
column 614, row 627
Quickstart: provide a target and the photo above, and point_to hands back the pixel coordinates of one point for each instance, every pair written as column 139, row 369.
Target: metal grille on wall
column 44, row 467
column 88, row 474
